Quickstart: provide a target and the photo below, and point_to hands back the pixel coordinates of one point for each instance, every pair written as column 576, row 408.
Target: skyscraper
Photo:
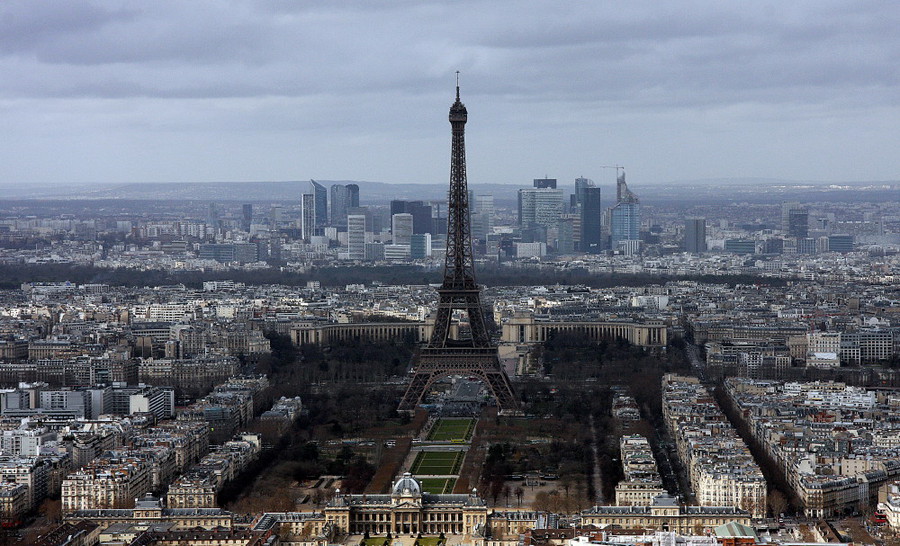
column 420, row 211
column 212, row 217
column 340, row 202
column 483, row 217
column 246, row 216
column 402, row 228
column 546, row 183
column 565, row 239
column 622, row 191
column 343, row 198
column 307, row 215
column 356, row 236
column 320, row 195
column 353, row 191
column 591, row 219
column 438, row 218
column 420, row 246
column 625, row 215
column 276, row 214
column 798, row 223
column 785, row 213
column 539, row 207
column 624, row 223
column 695, row 235
column 581, row 184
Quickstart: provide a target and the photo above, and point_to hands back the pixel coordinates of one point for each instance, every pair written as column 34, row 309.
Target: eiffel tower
column 444, row 356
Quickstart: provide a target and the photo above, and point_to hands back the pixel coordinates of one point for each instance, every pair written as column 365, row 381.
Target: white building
column 28, row 471
column 396, row 252
column 531, row 250
column 816, row 359
column 483, row 217
column 169, row 312
column 106, row 483
column 540, row 206
column 420, row 246
column 25, row 442
column 356, row 236
column 823, row 342
column 891, row 506
column 402, row 228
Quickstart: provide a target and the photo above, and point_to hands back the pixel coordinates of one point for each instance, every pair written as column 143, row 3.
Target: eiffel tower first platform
column 444, row 356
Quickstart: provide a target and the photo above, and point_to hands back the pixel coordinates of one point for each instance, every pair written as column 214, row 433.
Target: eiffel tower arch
column 475, row 355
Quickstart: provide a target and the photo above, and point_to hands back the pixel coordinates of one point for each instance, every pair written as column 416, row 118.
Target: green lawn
column 452, row 430
column 437, row 485
column 437, row 463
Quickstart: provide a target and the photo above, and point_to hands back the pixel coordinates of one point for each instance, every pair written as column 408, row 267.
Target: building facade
column 407, row 510
column 695, row 235
column 320, row 204
column 523, row 328
column 402, row 228
column 591, row 220
column 540, row 207
column 664, row 514
column 356, row 236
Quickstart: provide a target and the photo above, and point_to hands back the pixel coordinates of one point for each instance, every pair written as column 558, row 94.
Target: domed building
column 407, row 510
column 407, row 488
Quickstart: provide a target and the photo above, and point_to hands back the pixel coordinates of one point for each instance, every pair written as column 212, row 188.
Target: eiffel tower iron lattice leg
column 481, row 363
column 444, row 356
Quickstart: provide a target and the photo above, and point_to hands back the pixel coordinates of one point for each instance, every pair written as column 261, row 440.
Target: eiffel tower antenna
column 474, row 355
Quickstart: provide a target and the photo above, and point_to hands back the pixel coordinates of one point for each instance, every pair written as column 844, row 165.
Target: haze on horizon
column 139, row 91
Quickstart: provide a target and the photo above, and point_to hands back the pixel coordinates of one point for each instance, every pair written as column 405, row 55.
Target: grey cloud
column 545, row 51
column 377, row 70
column 27, row 26
column 99, row 34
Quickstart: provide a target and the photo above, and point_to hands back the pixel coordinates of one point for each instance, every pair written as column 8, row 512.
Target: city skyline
column 244, row 307
column 315, row 364
column 107, row 93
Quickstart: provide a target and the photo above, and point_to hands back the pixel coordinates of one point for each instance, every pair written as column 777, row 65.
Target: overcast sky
column 219, row 90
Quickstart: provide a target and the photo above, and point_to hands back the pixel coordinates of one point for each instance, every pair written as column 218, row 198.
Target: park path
column 596, row 476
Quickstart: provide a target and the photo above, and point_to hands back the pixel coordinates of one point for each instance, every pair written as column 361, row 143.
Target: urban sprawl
column 140, row 413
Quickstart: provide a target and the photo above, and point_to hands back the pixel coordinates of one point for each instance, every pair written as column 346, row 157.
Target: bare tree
column 566, row 483
column 496, row 489
column 748, row 503
column 541, row 502
column 865, row 508
column 52, row 510
column 777, row 502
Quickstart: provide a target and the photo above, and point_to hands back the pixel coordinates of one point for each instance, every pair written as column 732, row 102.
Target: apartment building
column 107, row 483
column 836, row 444
column 721, row 470
column 641, row 483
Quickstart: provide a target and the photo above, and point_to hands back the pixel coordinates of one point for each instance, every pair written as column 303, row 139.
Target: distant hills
column 721, row 190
